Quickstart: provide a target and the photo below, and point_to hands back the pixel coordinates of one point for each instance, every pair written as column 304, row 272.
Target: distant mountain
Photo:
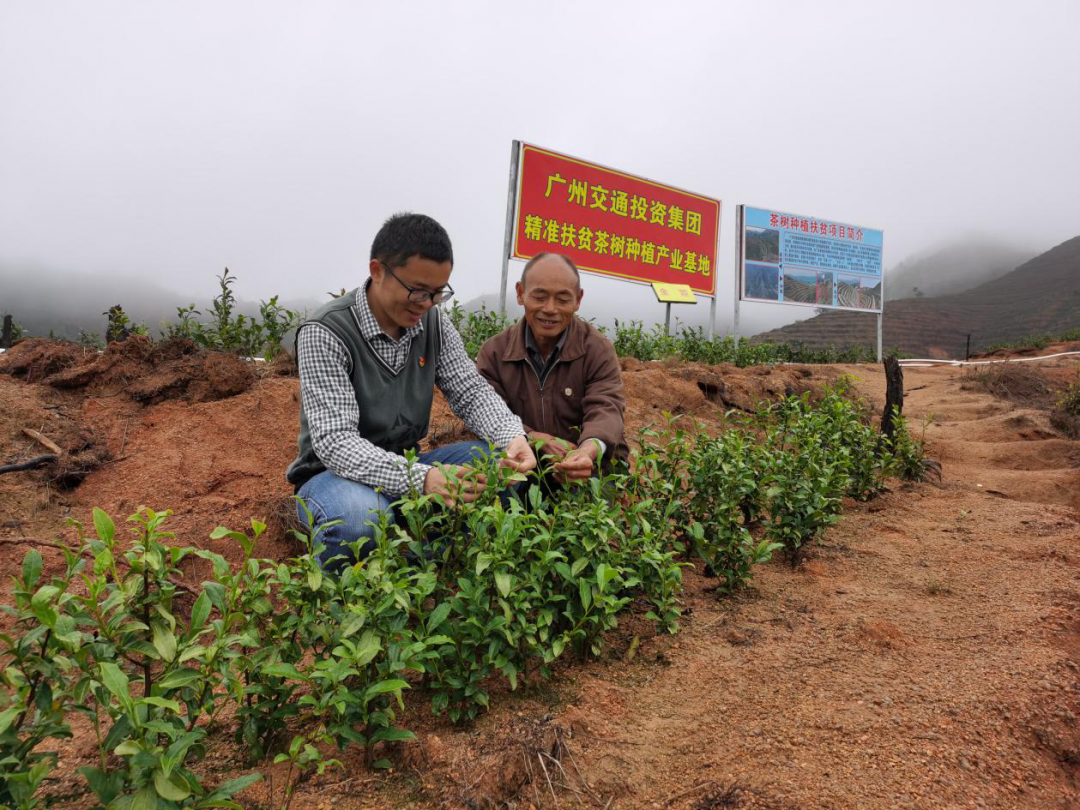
column 490, row 302
column 43, row 300
column 1040, row 296
column 953, row 269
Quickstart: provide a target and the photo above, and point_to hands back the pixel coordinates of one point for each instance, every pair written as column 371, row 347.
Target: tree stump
column 894, row 396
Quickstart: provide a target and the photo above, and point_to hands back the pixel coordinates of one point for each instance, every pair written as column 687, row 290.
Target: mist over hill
column 44, row 300
column 953, row 268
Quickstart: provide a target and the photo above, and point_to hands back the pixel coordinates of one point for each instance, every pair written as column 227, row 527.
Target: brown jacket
column 582, row 397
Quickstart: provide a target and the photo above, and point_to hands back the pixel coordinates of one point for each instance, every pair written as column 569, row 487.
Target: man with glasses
column 558, row 373
column 369, row 363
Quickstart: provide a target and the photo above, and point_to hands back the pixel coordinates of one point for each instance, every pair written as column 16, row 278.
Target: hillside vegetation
column 1041, row 296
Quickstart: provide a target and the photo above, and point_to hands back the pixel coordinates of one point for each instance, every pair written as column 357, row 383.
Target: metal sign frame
column 740, row 276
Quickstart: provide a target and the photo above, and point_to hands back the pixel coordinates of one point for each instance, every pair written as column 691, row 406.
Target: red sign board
column 613, row 223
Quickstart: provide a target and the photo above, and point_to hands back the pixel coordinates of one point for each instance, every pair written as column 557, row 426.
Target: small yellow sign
column 673, row 293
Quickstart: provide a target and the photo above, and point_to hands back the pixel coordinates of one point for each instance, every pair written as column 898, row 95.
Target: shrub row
column 631, row 339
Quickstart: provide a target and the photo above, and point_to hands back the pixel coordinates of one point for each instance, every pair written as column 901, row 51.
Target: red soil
column 925, row 655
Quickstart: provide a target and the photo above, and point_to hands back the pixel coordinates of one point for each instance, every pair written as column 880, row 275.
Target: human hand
column 519, row 455
column 455, row 483
column 578, row 464
column 552, row 446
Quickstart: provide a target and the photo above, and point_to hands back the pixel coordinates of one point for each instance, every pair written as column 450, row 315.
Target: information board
column 791, row 259
column 613, row 223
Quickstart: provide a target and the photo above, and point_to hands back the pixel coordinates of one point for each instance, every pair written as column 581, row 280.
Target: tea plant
column 906, row 453
column 1069, row 399
column 245, row 335
column 724, row 501
column 476, row 327
column 39, row 678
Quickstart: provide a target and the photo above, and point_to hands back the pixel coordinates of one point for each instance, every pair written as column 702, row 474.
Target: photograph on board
column 762, row 245
column 848, row 293
column 800, row 286
column 871, row 295
column 824, row 292
column 762, row 282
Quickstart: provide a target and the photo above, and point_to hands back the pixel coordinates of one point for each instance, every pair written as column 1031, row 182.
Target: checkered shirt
column 333, row 411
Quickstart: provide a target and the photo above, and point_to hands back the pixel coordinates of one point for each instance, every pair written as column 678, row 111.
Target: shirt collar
column 530, row 344
column 369, row 327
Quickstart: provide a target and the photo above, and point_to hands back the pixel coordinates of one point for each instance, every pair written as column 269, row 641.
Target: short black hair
column 540, row 256
column 405, row 235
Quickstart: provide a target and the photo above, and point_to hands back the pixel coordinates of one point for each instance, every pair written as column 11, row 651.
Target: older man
column 558, row 373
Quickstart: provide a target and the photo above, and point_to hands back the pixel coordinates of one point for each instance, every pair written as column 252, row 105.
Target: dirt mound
column 729, row 386
column 153, row 372
column 1032, row 351
column 35, row 359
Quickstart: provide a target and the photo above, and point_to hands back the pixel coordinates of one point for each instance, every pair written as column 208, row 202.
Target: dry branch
column 29, row 464
column 44, row 441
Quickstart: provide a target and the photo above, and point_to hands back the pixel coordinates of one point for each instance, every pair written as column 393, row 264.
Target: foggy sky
column 169, row 140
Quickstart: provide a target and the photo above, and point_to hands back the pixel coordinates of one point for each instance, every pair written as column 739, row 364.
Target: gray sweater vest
column 395, row 407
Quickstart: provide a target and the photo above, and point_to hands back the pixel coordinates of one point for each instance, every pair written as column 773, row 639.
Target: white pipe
column 927, row 362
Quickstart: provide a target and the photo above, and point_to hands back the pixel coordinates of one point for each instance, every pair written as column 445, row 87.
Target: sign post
column 511, row 199
column 738, row 267
column 669, row 294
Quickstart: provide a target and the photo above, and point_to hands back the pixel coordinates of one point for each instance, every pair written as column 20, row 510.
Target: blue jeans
column 330, row 498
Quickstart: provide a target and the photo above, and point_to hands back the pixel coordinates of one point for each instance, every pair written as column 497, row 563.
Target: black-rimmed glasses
column 419, row 296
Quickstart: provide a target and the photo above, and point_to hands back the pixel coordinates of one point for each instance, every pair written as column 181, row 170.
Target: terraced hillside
column 1041, row 296
column 795, row 290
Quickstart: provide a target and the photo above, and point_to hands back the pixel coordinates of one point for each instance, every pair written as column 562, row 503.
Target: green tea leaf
column 160, row 702
column 229, row 788
column 368, row 647
column 7, row 717
column 604, row 575
column 179, row 678
column 117, row 683
column 31, row 568
column 106, row 785
column 585, row 591
column 145, row 799
column 104, row 526
column 438, row 616
column 503, row 581
column 353, row 624
column 283, row 670
column 391, row 734
column 128, row 748
column 164, row 641
column 382, row 687
column 216, row 592
column 200, row 612
column 483, row 562
column 171, row 788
